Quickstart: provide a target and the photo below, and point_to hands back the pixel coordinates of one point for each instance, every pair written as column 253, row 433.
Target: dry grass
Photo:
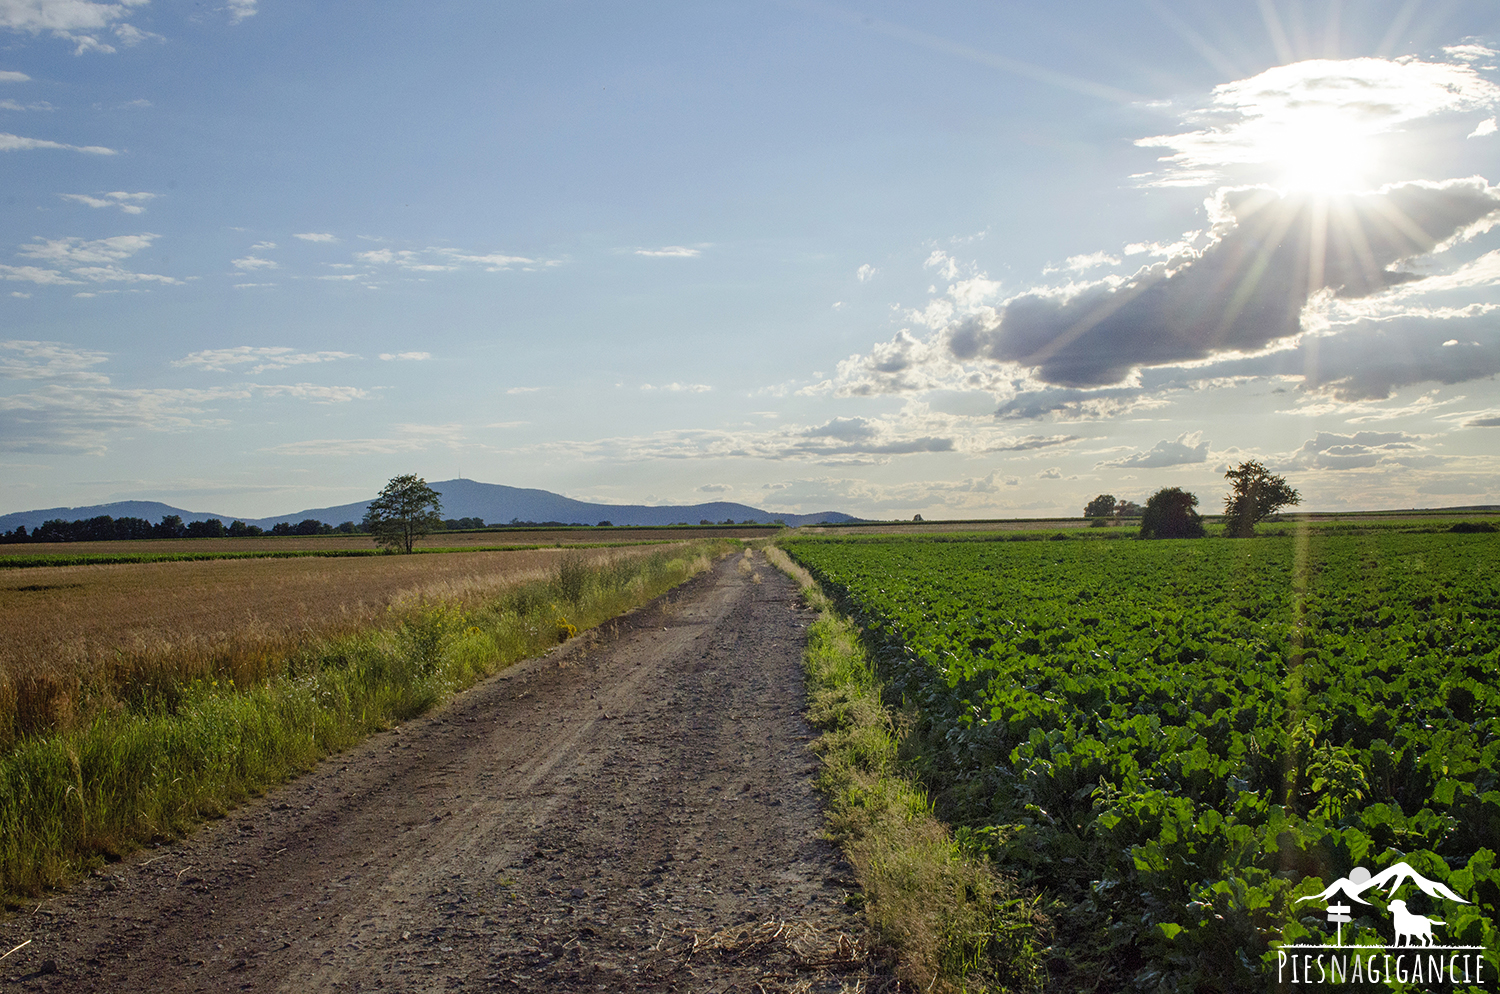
column 81, row 639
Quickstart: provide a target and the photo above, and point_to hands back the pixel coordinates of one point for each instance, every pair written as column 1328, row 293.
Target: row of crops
column 1175, row 740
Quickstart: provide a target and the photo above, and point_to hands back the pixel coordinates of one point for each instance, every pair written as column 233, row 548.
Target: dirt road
column 577, row 823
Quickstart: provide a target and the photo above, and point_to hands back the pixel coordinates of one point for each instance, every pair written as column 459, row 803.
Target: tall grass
column 173, row 753
column 955, row 923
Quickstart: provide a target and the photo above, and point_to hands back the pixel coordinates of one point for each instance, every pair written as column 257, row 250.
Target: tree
column 1256, row 494
column 1169, row 514
column 406, row 510
column 1102, row 506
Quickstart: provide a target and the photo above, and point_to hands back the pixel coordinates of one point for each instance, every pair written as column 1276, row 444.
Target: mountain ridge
column 494, row 502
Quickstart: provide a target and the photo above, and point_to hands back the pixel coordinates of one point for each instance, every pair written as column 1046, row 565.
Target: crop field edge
column 953, row 921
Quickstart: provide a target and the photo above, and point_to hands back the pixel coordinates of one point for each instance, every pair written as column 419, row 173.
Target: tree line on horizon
column 107, row 529
column 1255, row 493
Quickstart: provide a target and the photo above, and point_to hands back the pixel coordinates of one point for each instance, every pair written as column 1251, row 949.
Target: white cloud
column 945, row 265
column 259, row 358
column 316, row 236
column 520, row 390
column 1312, row 122
column 1083, row 263
column 865, row 273
column 12, row 143
column 715, row 488
column 95, row 260
column 240, row 9
column 313, row 392
column 26, row 360
column 8, row 104
column 1361, row 450
column 75, row 411
column 1186, row 449
column 1485, row 127
column 250, row 264
column 1471, row 52
column 679, row 387
column 64, row 251
column 410, row 356
column 35, row 274
column 670, row 252
column 11, row 76
column 80, row 22
column 409, row 438
column 130, row 203
column 438, row 260
column 262, row 246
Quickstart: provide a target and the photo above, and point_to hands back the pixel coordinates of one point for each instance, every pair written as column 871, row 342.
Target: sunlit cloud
column 670, row 252
column 405, row 356
column 1360, row 450
column 1310, row 125
column 1186, row 449
column 316, row 236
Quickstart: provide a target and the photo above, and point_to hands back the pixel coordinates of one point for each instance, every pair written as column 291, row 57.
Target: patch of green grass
column 154, row 768
column 954, row 921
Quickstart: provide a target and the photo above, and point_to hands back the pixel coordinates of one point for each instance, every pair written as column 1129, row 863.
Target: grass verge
column 176, row 753
column 954, row 922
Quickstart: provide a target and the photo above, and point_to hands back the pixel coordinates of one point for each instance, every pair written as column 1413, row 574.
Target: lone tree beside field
column 1256, row 494
column 406, row 510
column 1102, row 506
column 1169, row 514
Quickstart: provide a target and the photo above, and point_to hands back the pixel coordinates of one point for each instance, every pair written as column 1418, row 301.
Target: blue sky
column 963, row 260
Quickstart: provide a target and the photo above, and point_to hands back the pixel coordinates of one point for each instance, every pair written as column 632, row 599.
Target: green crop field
column 1173, row 741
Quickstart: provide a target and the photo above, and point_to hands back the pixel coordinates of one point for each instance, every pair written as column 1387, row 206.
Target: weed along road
column 623, row 814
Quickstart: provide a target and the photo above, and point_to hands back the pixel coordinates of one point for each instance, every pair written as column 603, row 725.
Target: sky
column 963, row 260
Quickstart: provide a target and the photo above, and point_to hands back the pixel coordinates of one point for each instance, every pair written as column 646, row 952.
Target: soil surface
column 633, row 811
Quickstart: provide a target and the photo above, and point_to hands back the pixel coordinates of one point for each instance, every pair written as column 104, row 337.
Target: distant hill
column 498, row 504
column 152, row 510
column 495, row 503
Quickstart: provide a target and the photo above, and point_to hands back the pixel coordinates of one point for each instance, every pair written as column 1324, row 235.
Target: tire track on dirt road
column 559, row 827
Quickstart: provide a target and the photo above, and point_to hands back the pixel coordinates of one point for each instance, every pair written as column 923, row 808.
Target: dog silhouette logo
column 1417, row 955
column 1411, row 927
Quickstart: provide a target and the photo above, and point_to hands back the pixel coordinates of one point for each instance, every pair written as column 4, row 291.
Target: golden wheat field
column 70, row 630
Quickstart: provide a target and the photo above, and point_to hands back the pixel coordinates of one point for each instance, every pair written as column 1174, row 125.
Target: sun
column 1315, row 152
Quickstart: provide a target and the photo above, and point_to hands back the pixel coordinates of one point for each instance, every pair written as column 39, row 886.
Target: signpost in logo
column 1415, row 955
